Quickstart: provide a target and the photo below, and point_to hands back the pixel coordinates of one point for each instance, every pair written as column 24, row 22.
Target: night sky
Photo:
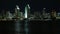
column 36, row 5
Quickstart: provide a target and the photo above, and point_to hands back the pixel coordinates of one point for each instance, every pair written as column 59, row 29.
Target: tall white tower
column 27, row 9
column 17, row 11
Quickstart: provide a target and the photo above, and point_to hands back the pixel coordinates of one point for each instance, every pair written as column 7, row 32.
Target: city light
column 17, row 7
column 25, row 12
column 28, row 6
column 44, row 8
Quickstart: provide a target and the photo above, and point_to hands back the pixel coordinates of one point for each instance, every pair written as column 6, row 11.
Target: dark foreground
column 35, row 27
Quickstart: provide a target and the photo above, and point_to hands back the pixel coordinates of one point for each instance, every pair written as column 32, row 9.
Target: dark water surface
column 35, row 27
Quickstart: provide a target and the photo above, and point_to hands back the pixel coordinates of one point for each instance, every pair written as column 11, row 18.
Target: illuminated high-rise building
column 43, row 13
column 58, row 15
column 17, row 12
column 27, row 11
column 53, row 14
column 9, row 15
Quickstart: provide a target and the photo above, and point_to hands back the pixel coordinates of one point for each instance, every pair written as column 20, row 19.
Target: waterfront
column 35, row 27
